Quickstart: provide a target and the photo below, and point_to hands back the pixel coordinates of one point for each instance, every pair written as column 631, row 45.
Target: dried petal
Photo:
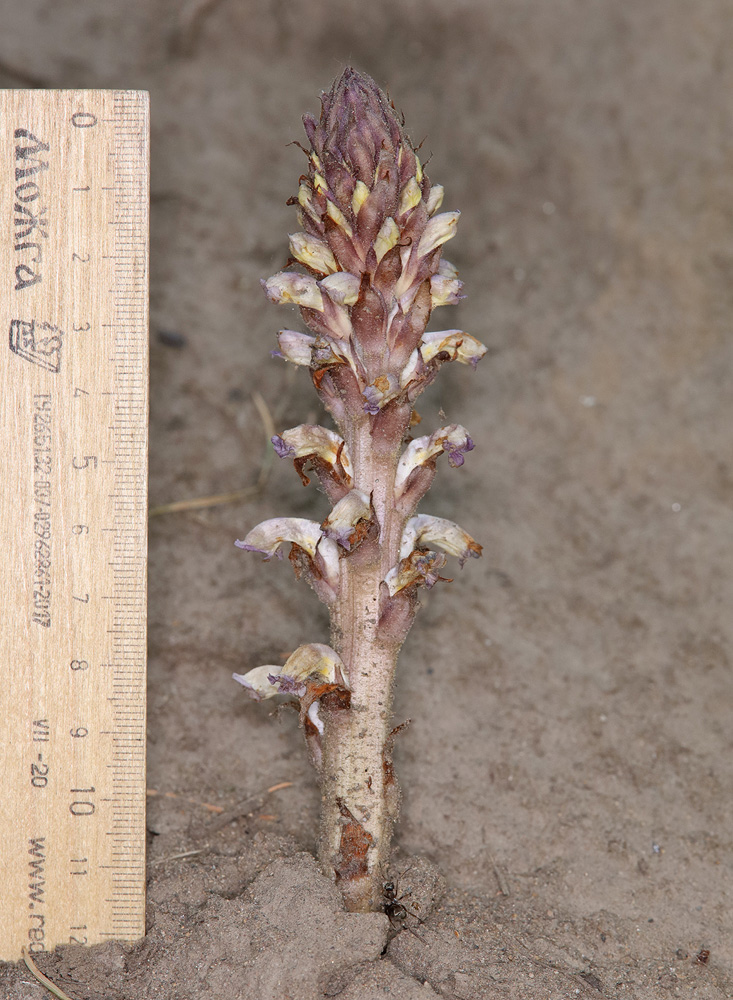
column 327, row 351
column 307, row 202
column 300, row 289
column 346, row 519
column 454, row 439
column 312, row 252
column 419, row 569
column 438, row 230
column 425, row 530
column 295, row 346
column 459, row 345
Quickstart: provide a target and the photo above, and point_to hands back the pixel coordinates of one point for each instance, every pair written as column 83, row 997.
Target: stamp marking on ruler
column 73, row 434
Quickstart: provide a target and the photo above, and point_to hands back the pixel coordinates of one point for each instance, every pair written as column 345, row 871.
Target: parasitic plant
column 370, row 274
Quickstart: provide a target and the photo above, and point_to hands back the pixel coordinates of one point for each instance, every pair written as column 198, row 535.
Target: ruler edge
column 142, row 100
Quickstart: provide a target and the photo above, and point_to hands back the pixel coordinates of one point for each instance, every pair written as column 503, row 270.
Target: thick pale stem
column 359, row 795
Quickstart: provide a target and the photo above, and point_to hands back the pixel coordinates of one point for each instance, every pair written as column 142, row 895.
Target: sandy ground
column 567, row 774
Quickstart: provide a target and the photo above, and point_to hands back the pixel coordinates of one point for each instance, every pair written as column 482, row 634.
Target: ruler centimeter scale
column 74, row 170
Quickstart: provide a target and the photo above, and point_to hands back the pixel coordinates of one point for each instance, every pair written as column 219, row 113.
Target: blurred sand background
column 569, row 764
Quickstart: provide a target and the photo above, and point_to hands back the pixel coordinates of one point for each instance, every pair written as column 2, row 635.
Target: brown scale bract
column 355, row 844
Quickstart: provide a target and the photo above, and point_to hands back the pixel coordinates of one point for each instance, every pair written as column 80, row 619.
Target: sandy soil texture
column 567, row 776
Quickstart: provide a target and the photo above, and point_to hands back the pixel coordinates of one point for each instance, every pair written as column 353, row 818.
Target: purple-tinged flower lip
column 382, row 390
column 295, row 346
column 455, row 451
column 312, row 664
column 288, row 685
column 311, row 441
column 282, row 450
column 347, row 521
column 268, row 536
column 371, row 405
column 453, row 440
column 258, row 683
column 254, row 548
column 455, row 458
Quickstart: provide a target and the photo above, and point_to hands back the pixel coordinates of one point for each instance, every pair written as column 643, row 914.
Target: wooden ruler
column 73, row 516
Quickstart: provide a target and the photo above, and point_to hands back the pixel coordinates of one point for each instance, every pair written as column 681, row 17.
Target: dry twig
column 177, row 857
column 249, row 491
column 44, row 980
column 246, row 807
column 153, row 792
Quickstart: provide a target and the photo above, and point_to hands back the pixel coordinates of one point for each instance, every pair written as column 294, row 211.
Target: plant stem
column 359, row 796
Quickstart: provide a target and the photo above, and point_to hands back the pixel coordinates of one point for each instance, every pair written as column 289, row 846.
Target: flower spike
column 366, row 272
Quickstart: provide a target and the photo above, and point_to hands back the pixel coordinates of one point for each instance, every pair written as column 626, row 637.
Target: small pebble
column 171, row 338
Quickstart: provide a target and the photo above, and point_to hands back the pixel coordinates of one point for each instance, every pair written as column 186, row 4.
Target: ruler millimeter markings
column 73, row 515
